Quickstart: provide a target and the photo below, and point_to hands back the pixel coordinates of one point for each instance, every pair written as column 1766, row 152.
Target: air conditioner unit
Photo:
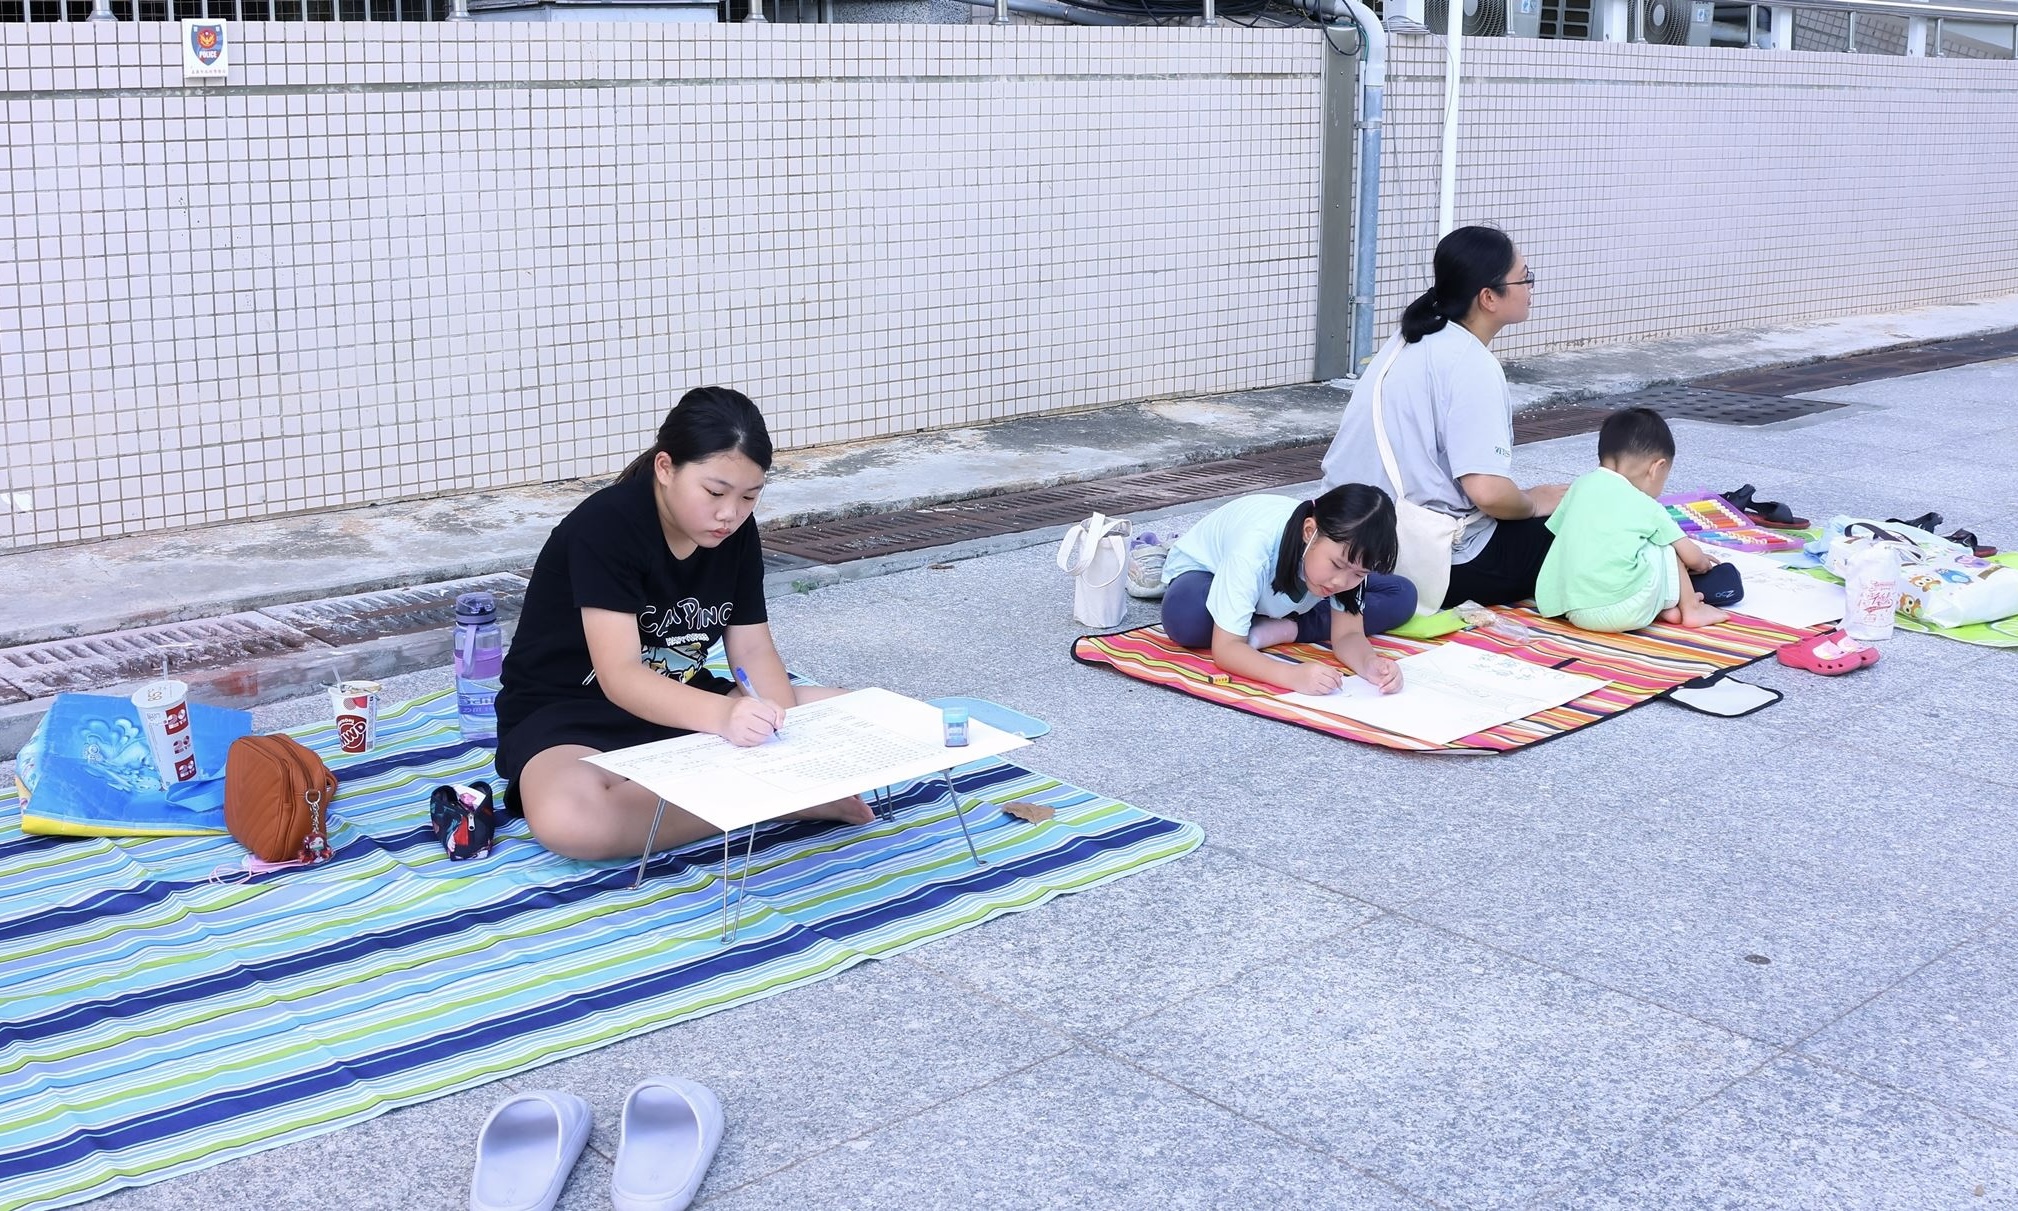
column 1487, row 18
column 1659, row 22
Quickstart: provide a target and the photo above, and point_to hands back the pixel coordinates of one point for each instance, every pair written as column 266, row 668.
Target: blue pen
column 743, row 679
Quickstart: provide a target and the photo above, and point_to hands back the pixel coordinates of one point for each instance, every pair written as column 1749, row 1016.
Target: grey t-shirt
column 1449, row 414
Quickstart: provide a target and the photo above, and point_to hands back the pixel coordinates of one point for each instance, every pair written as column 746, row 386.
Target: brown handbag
column 276, row 799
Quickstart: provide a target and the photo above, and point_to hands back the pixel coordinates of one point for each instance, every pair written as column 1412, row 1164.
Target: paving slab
column 1077, row 1130
column 417, row 1157
column 1067, row 966
column 1759, row 942
column 1948, row 1032
column 1801, row 1136
column 1874, row 818
column 810, row 1068
column 1460, row 1073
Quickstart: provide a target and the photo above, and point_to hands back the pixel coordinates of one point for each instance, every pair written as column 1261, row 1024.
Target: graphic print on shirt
column 674, row 641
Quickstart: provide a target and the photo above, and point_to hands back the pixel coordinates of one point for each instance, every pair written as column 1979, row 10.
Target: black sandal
column 1926, row 521
column 1967, row 538
column 1769, row 513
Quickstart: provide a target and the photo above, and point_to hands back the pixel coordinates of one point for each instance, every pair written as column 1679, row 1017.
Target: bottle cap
column 475, row 608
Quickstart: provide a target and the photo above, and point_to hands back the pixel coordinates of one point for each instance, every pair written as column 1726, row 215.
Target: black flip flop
column 1967, row 538
column 1769, row 513
column 1926, row 521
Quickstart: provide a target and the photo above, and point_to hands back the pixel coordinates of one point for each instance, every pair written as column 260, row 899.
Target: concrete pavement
column 1667, row 961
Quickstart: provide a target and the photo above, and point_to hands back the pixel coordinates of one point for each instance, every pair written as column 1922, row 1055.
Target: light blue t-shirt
column 1238, row 543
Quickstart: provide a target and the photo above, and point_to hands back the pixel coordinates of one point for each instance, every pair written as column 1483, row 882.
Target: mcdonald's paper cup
column 164, row 717
column 356, row 707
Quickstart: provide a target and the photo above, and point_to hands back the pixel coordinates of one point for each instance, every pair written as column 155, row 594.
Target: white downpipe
column 1453, row 42
column 1783, row 27
column 1618, row 21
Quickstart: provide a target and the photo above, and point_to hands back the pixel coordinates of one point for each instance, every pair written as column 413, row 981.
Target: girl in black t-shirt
column 627, row 597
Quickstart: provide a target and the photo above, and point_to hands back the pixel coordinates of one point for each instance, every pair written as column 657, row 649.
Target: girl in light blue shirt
column 1264, row 570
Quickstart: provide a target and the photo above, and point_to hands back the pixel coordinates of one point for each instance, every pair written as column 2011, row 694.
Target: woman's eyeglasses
column 1528, row 281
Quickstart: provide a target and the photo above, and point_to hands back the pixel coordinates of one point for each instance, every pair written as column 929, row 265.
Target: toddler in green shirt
column 1619, row 560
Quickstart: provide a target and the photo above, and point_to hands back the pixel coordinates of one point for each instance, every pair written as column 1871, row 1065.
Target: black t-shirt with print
column 610, row 554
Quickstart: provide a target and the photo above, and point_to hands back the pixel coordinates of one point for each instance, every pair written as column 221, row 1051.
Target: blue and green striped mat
column 157, row 1020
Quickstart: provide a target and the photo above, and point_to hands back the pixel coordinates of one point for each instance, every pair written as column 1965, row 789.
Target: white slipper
column 526, row 1149
column 671, row 1128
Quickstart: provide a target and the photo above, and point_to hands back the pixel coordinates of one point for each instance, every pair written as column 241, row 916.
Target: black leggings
column 1504, row 570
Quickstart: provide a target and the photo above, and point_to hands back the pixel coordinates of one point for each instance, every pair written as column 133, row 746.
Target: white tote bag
column 1095, row 553
column 1427, row 537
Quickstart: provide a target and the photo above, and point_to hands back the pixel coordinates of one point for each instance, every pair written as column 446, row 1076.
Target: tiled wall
column 1662, row 190
column 389, row 261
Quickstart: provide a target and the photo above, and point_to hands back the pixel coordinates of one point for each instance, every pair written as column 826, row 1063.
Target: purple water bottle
column 479, row 664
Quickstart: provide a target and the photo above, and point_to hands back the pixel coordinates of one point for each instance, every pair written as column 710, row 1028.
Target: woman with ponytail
column 628, row 596
column 1449, row 419
column 1264, row 570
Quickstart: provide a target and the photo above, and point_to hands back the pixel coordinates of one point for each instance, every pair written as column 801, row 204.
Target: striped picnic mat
column 158, row 1022
column 1636, row 667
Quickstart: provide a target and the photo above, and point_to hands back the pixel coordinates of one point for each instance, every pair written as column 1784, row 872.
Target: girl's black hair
column 1358, row 516
column 1468, row 260
column 707, row 421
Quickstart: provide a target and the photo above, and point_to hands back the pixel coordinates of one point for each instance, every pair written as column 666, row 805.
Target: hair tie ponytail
column 1289, row 555
column 1422, row 317
column 1468, row 260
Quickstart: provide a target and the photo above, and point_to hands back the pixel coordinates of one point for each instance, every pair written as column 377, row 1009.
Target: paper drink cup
column 164, row 716
column 356, row 706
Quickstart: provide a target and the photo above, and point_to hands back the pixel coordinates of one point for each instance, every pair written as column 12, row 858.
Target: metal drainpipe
column 1366, row 211
column 1366, row 223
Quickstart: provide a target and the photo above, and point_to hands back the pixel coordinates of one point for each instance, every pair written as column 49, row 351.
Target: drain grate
column 778, row 561
column 1719, row 407
column 75, row 665
column 846, row 539
column 1869, row 367
column 366, row 616
column 1565, row 420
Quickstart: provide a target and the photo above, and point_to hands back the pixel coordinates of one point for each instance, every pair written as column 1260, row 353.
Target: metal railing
column 1920, row 20
column 12, row 11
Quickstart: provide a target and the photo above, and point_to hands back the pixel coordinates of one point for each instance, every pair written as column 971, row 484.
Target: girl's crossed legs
column 1390, row 601
column 578, row 810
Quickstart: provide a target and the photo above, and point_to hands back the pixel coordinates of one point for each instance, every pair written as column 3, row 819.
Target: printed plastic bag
column 1095, row 552
column 1940, row 583
column 87, row 771
column 1870, row 592
column 1956, row 592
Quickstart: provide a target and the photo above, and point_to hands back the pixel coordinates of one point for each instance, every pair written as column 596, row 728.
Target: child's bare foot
column 1671, row 615
column 1267, row 632
column 1699, row 614
column 848, row 811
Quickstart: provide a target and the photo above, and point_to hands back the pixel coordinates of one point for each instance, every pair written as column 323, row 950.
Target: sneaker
column 1145, row 566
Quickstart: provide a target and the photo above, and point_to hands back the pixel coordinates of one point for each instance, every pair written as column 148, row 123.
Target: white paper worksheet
column 1777, row 593
column 827, row 750
column 1452, row 691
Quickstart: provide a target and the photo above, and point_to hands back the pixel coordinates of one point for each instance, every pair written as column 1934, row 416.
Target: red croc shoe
column 1830, row 654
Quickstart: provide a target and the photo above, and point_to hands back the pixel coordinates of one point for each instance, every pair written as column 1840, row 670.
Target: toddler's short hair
column 1635, row 433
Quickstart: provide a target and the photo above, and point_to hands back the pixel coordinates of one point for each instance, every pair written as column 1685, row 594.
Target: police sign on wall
column 204, row 49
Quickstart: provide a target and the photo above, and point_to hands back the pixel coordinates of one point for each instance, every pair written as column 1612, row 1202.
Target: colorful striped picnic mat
column 1636, row 667
column 156, row 1021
